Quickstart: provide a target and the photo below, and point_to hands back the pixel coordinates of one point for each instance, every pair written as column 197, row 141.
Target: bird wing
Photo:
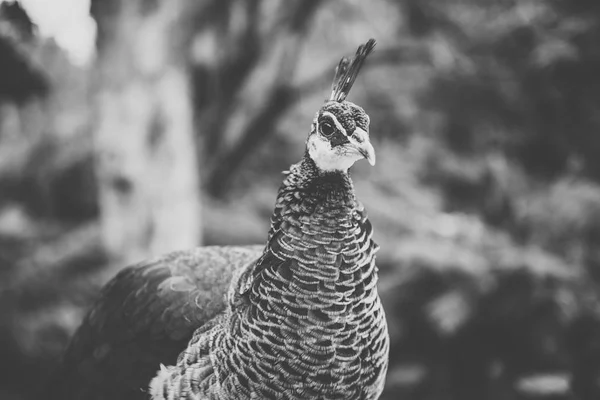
column 144, row 317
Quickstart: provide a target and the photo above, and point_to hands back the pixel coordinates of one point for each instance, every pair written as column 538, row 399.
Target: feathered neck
column 314, row 182
column 306, row 190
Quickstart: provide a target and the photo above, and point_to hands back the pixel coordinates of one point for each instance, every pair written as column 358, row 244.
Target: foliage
column 20, row 78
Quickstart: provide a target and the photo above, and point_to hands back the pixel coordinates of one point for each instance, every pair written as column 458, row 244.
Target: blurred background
column 132, row 128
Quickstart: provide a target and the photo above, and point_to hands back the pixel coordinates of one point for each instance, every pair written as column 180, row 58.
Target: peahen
column 299, row 318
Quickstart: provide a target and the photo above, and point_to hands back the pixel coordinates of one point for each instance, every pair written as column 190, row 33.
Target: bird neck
column 317, row 190
column 318, row 227
column 334, row 185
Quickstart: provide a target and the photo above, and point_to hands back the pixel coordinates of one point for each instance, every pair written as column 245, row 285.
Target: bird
column 297, row 318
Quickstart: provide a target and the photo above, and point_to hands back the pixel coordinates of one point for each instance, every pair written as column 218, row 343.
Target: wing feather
column 144, row 317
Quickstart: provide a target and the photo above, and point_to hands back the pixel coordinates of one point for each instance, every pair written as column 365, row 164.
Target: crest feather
column 347, row 71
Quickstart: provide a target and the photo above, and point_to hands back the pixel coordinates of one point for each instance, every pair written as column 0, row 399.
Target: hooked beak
column 360, row 142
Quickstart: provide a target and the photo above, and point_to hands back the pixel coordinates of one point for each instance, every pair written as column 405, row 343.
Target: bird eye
column 326, row 128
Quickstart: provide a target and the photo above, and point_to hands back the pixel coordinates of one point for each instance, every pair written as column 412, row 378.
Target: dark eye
column 326, row 128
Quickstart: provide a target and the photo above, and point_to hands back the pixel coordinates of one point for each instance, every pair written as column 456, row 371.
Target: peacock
column 298, row 318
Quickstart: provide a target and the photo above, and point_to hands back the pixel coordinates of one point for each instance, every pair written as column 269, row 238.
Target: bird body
column 300, row 319
column 143, row 317
column 305, row 320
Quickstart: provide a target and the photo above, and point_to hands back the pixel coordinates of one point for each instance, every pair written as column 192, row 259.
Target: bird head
column 340, row 136
column 340, row 131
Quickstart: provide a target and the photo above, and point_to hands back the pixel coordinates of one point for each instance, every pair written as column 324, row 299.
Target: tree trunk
column 146, row 159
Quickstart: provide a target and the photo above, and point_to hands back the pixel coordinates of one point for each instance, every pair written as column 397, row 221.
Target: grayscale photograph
column 300, row 199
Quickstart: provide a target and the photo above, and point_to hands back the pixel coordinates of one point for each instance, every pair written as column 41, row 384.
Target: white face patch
column 330, row 159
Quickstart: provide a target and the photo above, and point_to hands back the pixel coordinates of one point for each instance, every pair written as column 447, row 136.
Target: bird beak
column 360, row 142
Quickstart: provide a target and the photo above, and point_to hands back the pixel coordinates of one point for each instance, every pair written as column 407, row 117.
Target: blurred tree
column 521, row 78
column 20, row 77
column 516, row 90
column 145, row 149
column 244, row 47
